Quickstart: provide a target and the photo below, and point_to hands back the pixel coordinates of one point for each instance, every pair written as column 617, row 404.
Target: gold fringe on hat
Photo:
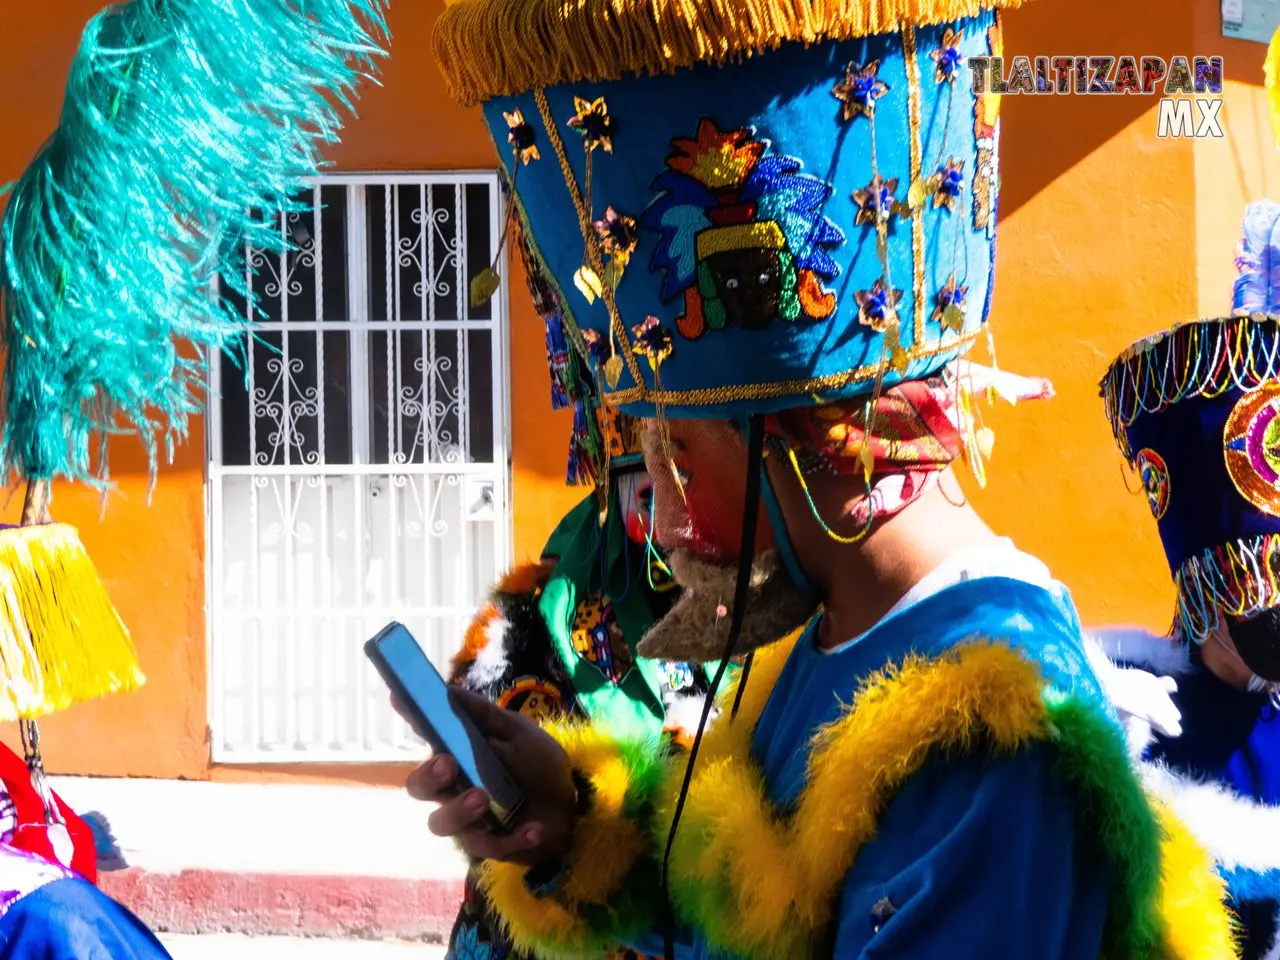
column 491, row 48
column 61, row 640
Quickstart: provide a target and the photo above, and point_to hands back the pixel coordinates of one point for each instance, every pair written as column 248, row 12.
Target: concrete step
column 172, row 825
column 275, row 905
column 271, row 860
column 221, row 947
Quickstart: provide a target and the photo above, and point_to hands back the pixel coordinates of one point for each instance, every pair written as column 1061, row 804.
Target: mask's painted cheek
column 716, row 521
column 637, row 514
column 706, row 519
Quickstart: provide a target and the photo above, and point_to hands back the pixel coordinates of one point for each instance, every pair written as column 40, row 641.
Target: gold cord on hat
column 591, row 285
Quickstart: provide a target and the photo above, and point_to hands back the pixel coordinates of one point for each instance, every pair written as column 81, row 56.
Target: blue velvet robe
column 71, row 919
column 1232, row 737
column 977, row 858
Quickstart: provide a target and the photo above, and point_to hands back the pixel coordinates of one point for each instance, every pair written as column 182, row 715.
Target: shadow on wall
column 1075, row 126
column 1044, row 136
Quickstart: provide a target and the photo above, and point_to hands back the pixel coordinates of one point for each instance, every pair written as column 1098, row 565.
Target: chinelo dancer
column 1196, row 435
column 181, row 119
column 557, row 638
column 1191, row 409
column 779, row 216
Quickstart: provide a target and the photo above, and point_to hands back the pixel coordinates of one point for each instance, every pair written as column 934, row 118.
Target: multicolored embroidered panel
column 743, row 238
column 599, row 640
column 986, row 131
column 1155, row 480
column 1196, row 412
column 1252, row 443
column 789, row 229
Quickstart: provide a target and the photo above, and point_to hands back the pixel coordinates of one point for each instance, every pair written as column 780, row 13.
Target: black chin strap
column 746, row 560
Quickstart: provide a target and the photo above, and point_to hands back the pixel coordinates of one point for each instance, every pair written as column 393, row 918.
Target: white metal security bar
column 358, row 464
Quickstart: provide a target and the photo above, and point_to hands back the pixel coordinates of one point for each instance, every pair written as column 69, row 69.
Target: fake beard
column 697, row 627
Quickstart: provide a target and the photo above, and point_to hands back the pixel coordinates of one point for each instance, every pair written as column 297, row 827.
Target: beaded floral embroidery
column 743, row 236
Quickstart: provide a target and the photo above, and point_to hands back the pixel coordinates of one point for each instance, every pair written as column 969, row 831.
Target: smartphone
column 439, row 720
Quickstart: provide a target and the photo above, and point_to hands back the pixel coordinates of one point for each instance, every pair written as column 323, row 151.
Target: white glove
column 1145, row 706
column 1143, row 700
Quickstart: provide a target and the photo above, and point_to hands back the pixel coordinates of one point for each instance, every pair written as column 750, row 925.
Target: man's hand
column 537, row 764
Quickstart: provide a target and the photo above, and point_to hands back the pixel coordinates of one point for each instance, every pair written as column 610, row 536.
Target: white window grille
column 358, row 464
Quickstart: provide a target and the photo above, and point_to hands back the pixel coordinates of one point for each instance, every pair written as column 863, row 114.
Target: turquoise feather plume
column 181, row 118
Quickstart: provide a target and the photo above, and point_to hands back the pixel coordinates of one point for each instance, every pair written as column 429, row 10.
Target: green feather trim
column 634, row 909
column 181, row 118
column 1114, row 816
column 625, row 913
column 1115, row 821
column 648, row 761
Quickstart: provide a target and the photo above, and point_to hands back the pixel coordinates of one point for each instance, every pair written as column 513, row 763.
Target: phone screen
column 443, row 723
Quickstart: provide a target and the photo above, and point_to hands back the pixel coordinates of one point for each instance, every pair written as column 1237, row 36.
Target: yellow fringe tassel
column 1273, row 84
column 61, row 640
column 490, row 48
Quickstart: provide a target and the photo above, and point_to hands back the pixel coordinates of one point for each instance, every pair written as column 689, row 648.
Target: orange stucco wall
column 152, row 557
column 1107, row 234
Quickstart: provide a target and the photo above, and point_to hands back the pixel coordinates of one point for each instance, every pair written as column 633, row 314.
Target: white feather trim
column 684, row 713
column 1238, row 831
column 491, row 661
column 1138, row 647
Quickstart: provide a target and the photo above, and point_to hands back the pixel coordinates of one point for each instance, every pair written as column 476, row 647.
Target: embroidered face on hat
column 803, row 213
column 1196, row 413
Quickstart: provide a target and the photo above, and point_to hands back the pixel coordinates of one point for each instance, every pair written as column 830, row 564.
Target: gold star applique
column 859, row 90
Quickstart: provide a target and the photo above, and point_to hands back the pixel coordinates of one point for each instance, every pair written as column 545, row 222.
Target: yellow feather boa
column 782, row 877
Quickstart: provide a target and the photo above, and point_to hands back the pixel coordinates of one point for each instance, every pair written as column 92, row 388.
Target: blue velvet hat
column 604, row 441
column 747, row 205
column 1196, row 412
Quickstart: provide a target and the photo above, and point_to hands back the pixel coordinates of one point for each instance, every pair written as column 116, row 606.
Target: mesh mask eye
column 1258, row 642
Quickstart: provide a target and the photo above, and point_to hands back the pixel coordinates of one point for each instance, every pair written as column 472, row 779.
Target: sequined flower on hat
column 876, row 201
column 617, row 233
column 878, row 307
column 597, row 347
column 859, row 90
column 520, row 135
column 653, row 341
column 950, row 181
column 948, row 305
column 948, row 57
column 593, row 123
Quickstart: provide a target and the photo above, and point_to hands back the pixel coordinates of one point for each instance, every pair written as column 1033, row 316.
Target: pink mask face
column 706, row 519
column 635, row 498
